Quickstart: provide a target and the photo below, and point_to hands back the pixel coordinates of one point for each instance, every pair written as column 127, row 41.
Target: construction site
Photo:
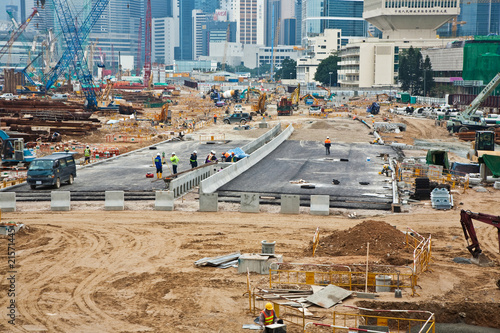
column 193, row 206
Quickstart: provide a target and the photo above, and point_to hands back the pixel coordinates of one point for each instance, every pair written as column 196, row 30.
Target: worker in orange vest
column 328, row 144
column 215, row 118
column 268, row 316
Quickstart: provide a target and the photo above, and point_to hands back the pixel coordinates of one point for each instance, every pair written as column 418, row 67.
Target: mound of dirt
column 386, row 242
column 320, row 125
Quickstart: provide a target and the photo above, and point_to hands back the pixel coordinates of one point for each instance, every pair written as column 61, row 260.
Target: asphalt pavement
column 340, row 174
column 128, row 172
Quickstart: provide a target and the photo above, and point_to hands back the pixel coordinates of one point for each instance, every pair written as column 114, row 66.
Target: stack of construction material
column 471, row 136
column 422, row 188
column 441, row 199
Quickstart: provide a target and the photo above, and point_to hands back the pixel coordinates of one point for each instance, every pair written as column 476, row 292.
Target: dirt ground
column 90, row 270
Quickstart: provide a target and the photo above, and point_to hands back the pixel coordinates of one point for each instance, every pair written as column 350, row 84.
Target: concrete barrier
column 222, row 177
column 249, row 203
column 188, row 181
column 164, row 200
column 209, row 202
column 8, row 201
column 60, row 200
column 261, row 140
column 290, row 204
column 114, row 200
column 320, row 204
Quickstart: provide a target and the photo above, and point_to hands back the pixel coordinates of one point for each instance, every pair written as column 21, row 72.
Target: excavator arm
column 466, row 217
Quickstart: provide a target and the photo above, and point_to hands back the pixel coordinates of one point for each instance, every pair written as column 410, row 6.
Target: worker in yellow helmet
column 268, row 316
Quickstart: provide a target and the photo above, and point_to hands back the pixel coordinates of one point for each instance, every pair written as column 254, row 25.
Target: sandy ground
column 90, row 270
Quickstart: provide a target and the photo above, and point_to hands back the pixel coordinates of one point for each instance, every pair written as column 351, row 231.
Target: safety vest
column 268, row 320
column 328, row 141
column 226, row 155
column 191, row 160
column 174, row 160
column 86, row 152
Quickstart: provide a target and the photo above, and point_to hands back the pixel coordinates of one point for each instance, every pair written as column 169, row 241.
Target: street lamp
column 330, row 80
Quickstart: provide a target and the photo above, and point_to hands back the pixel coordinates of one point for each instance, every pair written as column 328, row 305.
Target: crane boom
column 17, row 33
column 147, row 54
column 471, row 109
column 84, row 31
column 75, row 51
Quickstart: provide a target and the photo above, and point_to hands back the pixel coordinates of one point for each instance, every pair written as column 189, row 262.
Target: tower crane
column 225, row 48
column 17, row 33
column 139, row 50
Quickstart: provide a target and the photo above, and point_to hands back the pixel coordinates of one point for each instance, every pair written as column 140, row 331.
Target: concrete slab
column 164, row 200
column 114, row 200
column 290, row 204
column 8, row 201
column 209, row 202
column 249, row 203
column 329, row 296
column 60, row 200
column 320, row 205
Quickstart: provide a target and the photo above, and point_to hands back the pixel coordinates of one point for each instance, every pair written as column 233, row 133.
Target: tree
column 325, row 67
column 287, row 71
column 413, row 70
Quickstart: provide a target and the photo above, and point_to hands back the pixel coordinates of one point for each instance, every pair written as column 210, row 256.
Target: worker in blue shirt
column 193, row 160
column 158, row 164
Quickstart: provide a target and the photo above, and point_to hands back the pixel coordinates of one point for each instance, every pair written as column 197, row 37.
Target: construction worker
column 328, row 144
column 211, row 157
column 193, row 160
column 267, row 316
column 226, row 157
column 86, row 153
column 215, row 118
column 385, row 170
column 159, row 166
column 233, row 157
column 175, row 161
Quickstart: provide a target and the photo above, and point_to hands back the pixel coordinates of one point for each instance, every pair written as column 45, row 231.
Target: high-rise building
column 346, row 15
column 289, row 31
column 185, row 49
column 161, row 8
column 475, row 19
column 251, row 21
column 164, row 39
column 312, row 10
column 298, row 25
column 207, row 6
column 410, row 19
column 273, row 18
column 200, row 20
column 216, row 32
column 118, row 27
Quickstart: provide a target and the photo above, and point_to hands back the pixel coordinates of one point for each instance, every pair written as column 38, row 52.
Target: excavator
column 165, row 116
column 296, row 97
column 466, row 217
column 260, row 107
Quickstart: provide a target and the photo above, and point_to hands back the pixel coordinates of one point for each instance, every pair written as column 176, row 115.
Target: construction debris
column 224, row 261
column 329, row 296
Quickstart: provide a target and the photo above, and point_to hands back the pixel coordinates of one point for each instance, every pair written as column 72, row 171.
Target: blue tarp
column 238, row 152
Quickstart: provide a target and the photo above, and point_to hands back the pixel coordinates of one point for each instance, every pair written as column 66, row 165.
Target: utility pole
column 330, row 80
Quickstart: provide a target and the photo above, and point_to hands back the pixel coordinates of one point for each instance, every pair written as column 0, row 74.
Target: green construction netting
column 481, row 59
column 438, row 157
column 492, row 162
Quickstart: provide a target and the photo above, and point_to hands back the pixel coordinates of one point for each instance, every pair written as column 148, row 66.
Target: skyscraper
column 161, row 8
column 298, row 25
column 289, row 31
column 118, row 28
column 207, row 6
column 346, row 15
column 273, row 17
column 251, row 21
column 185, row 49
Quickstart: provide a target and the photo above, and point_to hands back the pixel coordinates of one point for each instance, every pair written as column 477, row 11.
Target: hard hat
column 158, row 154
column 88, row 147
column 232, row 153
column 213, row 151
column 328, row 137
column 173, row 153
column 269, row 306
column 194, row 152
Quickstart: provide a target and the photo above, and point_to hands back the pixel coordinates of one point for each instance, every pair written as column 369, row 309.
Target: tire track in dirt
column 487, row 237
column 74, row 251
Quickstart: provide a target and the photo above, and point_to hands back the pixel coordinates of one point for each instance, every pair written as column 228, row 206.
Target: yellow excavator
column 260, row 107
column 296, row 97
column 165, row 116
